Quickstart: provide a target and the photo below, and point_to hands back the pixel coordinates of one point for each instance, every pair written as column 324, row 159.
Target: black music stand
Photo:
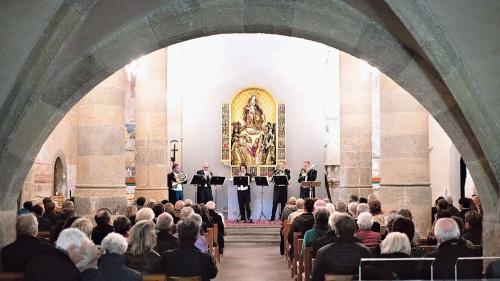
column 215, row 181
column 197, row 180
column 280, row 180
column 261, row 181
column 240, row 181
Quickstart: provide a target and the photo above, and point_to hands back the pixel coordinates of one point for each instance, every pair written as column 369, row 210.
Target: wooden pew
column 286, row 230
column 216, row 239
column 335, row 277
column 153, row 277
column 11, row 276
column 300, row 264
column 194, row 278
column 209, row 236
column 296, row 253
column 307, row 257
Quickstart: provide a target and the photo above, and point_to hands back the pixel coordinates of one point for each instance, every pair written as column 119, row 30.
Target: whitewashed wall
column 206, row 72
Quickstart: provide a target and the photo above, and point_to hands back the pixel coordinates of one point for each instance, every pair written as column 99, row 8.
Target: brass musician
column 176, row 180
column 307, row 173
column 280, row 192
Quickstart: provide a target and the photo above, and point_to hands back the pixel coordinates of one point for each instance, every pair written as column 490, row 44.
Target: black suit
column 280, row 194
column 99, row 232
column 187, row 261
column 300, row 224
column 310, row 176
column 113, row 268
column 16, row 255
column 204, row 190
column 244, row 201
column 174, row 196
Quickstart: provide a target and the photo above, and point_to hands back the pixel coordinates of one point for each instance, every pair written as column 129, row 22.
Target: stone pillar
column 151, row 127
column 404, row 154
column 355, row 128
column 101, row 148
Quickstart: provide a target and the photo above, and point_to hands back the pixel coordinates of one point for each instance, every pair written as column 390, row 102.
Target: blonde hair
column 83, row 224
column 186, row 212
column 395, row 242
column 142, row 238
column 131, row 211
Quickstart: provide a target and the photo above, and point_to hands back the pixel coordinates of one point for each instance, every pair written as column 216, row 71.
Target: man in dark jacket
column 344, row 254
column 302, row 223
column 450, row 247
column 187, row 260
column 217, row 219
column 464, row 207
column 103, row 227
column 165, row 240
column 16, row 255
column 59, row 264
column 112, row 265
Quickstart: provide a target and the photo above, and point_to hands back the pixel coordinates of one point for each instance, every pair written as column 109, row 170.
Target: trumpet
column 180, row 178
column 303, row 172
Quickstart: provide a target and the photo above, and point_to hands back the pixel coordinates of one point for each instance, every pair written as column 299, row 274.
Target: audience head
column 169, row 208
column 74, row 242
column 372, row 197
column 449, row 199
column 68, row 204
column 443, row 214
column 130, row 212
column 28, row 205
column 391, row 219
column 145, row 214
column 476, row 201
column 406, row 213
column 309, row 205
column 37, row 210
column 318, row 204
column 179, row 205
column 122, row 225
column 442, row 204
column 189, row 202
column 330, row 207
column 446, row 229
column 46, row 200
column 344, row 225
column 187, row 231
column 405, row 226
column 354, row 198
column 196, row 218
column 473, row 219
column 165, row 222
column 352, row 206
column 69, row 221
column 186, row 212
column 27, row 224
column 460, row 223
column 103, row 217
column 362, row 207
column 465, row 203
column 437, row 199
column 142, row 237
column 158, row 209
column 292, row 200
column 299, row 203
column 321, row 217
column 50, row 207
column 151, row 204
column 164, row 201
column 363, row 200
column 211, row 205
column 140, row 201
column 395, row 242
column 365, row 221
column 341, row 207
column 84, row 225
column 332, row 219
column 196, row 208
column 375, row 207
column 114, row 243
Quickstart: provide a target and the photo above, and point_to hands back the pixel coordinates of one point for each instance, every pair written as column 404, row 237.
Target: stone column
column 355, row 128
column 101, row 148
column 151, row 127
column 404, row 154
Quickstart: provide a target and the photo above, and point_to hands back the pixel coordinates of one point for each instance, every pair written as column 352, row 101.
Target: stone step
column 252, row 230
column 252, row 235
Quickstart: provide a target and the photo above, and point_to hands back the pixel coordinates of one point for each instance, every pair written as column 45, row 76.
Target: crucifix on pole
column 173, row 151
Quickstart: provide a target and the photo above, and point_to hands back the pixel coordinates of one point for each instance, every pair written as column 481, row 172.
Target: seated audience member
column 476, row 203
column 493, row 270
column 68, row 210
column 299, row 203
column 16, row 255
column 407, row 214
column 319, row 229
column 169, row 208
column 164, row 201
column 450, row 247
column 406, row 226
column 37, row 210
column 320, row 203
column 219, row 221
column 60, row 263
column 351, row 208
column 330, row 207
column 364, row 207
column 473, row 227
column 145, row 213
column 122, row 225
column 103, row 226
column 289, row 208
column 365, row 235
column 141, row 255
column 158, row 209
column 151, row 203
column 395, row 246
column 201, row 243
column 165, row 240
column 26, row 209
column 376, row 211
column 363, row 200
column 442, row 206
column 465, row 204
column 326, row 238
column 177, row 211
column 84, row 225
column 343, row 255
column 112, row 264
column 354, row 198
column 60, row 226
column 205, row 216
column 186, row 212
column 302, row 223
column 461, row 227
column 452, row 209
column 46, row 200
column 188, row 203
column 140, row 202
column 130, row 213
column 46, row 221
column 341, row 207
column 50, row 212
column 187, row 260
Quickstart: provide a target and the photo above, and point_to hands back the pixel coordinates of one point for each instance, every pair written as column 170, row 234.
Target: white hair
column 196, row 218
column 449, row 199
column 333, row 219
column 210, row 205
column 365, row 221
column 70, row 237
column 114, row 243
column 164, row 222
column 446, row 229
column 319, row 203
column 352, row 207
column 330, row 207
column 27, row 225
column 186, row 212
column 395, row 242
column 361, row 208
column 189, row 202
column 145, row 214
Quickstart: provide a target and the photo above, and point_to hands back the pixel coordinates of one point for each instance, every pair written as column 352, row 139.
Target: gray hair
column 395, row 242
column 361, row 208
column 145, row 214
column 211, row 205
column 446, row 229
column 188, row 202
column 68, row 204
column 142, row 238
column 341, row 207
column 186, row 212
column 164, row 222
column 344, row 225
column 196, row 218
column 83, row 224
column 320, row 203
column 114, row 243
column 299, row 203
column 330, row 207
column 71, row 237
column 449, row 199
column 352, row 207
column 365, row 221
column 27, row 225
column 332, row 219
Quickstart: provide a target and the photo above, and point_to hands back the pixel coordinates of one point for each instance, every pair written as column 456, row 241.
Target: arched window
column 59, row 178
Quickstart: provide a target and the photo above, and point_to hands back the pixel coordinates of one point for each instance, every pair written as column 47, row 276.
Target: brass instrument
column 180, row 178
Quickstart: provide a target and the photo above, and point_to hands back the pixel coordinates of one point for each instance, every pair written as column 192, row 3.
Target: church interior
column 378, row 117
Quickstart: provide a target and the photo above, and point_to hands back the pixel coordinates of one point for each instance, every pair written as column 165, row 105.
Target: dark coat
column 204, row 193
column 217, row 219
column 165, row 241
column 187, row 261
column 446, row 256
column 340, row 257
column 113, row 268
column 322, row 241
column 16, row 255
column 391, row 270
column 474, row 235
column 493, row 270
column 148, row 263
column 312, row 174
column 100, row 231
column 55, row 265
column 300, row 224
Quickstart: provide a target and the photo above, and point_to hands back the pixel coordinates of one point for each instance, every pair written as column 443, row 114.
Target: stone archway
column 58, row 72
